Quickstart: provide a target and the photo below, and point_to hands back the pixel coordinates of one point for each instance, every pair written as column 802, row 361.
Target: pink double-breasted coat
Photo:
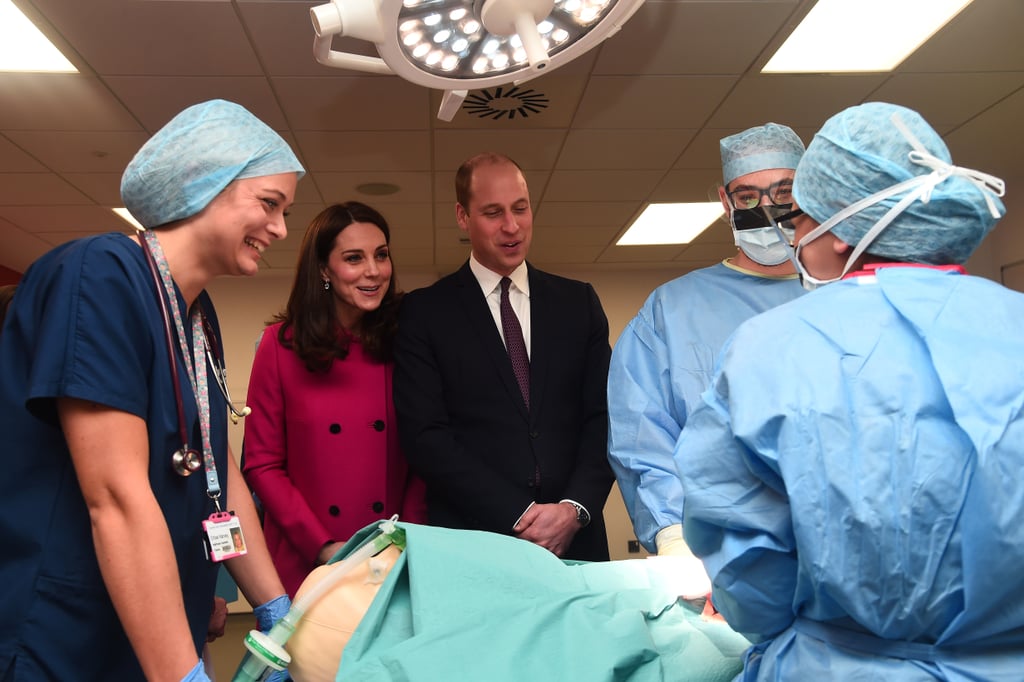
column 322, row 453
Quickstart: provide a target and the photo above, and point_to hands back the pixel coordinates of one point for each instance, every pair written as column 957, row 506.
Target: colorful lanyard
column 197, row 377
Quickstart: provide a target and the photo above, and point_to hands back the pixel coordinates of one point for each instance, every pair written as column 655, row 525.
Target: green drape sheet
column 468, row 605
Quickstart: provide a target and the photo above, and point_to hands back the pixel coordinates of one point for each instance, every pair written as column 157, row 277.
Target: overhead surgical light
column 458, row 45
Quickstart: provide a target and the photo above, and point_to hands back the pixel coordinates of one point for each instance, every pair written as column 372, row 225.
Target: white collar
column 489, row 280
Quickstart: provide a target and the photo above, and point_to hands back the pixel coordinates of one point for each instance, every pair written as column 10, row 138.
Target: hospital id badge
column 223, row 536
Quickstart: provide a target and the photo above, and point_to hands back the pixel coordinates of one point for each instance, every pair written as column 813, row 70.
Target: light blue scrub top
column 660, row 365
column 865, row 485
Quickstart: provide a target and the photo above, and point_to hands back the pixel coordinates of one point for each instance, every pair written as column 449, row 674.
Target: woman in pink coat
column 321, row 448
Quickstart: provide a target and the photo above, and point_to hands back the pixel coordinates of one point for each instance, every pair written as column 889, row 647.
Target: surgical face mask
column 757, row 235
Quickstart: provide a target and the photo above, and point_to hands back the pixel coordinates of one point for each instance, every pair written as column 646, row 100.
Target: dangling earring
column 327, row 285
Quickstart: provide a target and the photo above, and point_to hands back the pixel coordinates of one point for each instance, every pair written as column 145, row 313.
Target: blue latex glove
column 272, row 611
column 267, row 614
column 197, row 674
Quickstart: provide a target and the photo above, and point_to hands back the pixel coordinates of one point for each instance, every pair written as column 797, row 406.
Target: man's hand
column 552, row 526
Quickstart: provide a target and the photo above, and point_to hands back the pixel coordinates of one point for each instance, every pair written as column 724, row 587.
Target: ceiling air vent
column 509, row 102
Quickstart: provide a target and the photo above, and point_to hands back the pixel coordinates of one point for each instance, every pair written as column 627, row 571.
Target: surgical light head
column 881, row 179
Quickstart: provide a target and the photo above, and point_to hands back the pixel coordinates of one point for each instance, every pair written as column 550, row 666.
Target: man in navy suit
column 524, row 454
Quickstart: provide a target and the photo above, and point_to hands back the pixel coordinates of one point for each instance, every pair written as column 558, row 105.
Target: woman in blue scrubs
column 104, row 573
column 858, row 505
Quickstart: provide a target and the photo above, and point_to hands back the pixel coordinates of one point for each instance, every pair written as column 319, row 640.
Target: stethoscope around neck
column 187, row 460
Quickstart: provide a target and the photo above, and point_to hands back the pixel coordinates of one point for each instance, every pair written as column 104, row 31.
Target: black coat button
column 378, row 507
column 335, row 428
column 333, row 510
column 378, row 425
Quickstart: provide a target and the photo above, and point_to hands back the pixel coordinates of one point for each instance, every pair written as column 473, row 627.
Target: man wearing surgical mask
column 664, row 358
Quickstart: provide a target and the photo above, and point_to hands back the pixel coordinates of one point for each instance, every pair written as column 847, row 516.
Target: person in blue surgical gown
column 664, row 358
column 859, row 509
column 104, row 574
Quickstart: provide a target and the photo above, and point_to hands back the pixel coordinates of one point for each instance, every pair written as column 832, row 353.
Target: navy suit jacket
column 464, row 426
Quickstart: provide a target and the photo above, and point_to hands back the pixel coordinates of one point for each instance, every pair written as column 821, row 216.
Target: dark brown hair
column 311, row 328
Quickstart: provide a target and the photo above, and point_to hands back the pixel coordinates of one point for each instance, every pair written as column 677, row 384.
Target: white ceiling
column 636, row 120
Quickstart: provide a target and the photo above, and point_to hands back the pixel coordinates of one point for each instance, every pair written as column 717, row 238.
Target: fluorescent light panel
column 24, row 48
column 670, row 223
column 865, row 35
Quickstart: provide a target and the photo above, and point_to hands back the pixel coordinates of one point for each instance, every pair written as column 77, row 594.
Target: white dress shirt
column 518, row 295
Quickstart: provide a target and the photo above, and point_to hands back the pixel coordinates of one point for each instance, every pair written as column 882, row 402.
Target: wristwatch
column 582, row 515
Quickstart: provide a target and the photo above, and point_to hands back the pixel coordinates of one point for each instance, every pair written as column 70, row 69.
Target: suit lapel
column 482, row 324
column 543, row 323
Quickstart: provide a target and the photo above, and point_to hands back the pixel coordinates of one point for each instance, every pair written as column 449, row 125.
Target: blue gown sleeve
column 643, row 428
column 737, row 514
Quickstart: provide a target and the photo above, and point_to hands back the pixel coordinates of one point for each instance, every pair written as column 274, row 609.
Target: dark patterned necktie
column 514, row 342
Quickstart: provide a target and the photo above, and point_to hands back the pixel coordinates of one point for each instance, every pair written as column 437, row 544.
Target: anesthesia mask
column 756, row 233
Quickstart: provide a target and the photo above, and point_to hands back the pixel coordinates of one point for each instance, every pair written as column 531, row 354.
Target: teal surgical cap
column 195, row 156
column 761, row 148
column 864, row 153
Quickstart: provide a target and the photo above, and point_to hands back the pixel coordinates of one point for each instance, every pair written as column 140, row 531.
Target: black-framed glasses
column 747, row 196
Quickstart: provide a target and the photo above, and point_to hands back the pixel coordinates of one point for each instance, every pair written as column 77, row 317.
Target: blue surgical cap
column 761, row 148
column 860, row 152
column 195, row 156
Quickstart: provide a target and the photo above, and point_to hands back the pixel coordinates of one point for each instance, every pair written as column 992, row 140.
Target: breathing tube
column 265, row 653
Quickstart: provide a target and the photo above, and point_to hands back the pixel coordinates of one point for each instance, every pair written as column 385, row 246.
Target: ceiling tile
column 156, row 99
column 530, row 148
column 795, row 100
column 13, row 159
column 601, row 185
column 687, row 37
column 631, row 149
column 585, row 213
column 948, row 99
column 985, row 36
column 59, row 101
column 80, row 152
column 78, row 219
column 651, row 101
column 554, row 235
column 367, row 151
column 971, row 144
column 549, row 255
column 102, row 188
column 688, row 185
column 415, row 187
column 37, row 189
column 350, row 103
column 155, row 37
